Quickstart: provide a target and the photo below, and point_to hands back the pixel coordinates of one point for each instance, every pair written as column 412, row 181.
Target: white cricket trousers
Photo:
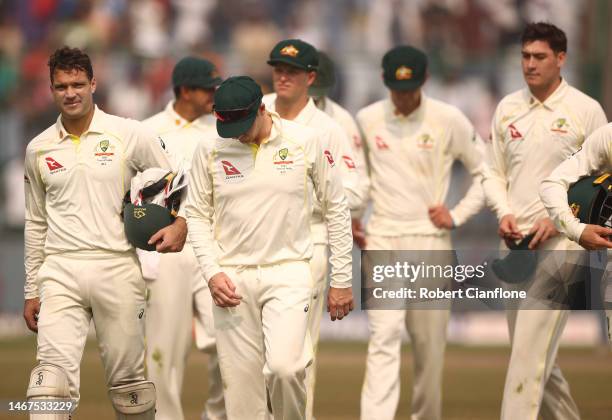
column 318, row 268
column 534, row 382
column 76, row 288
column 427, row 330
column 263, row 343
column 177, row 294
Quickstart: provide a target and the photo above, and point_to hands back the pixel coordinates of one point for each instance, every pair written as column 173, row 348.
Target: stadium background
column 474, row 60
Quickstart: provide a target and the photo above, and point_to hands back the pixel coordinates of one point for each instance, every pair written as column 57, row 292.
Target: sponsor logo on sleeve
column 380, row 143
column 330, row 158
column 348, row 162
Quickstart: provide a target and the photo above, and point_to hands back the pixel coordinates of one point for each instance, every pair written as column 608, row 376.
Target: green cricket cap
column 195, row 72
column 142, row 222
column 404, row 68
column 295, row 52
column 237, row 101
column 326, row 76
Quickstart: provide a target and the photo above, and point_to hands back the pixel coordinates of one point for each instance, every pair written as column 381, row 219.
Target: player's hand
column 543, row 230
column 508, row 229
column 171, row 238
column 31, row 308
column 595, row 237
column 441, row 217
column 339, row 302
column 223, row 291
column 358, row 233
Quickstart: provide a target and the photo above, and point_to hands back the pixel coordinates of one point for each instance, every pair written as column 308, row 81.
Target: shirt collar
column 305, row 115
column 95, row 126
column 415, row 115
column 179, row 121
column 552, row 101
column 277, row 127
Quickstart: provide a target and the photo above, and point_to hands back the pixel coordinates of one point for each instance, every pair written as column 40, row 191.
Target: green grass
column 473, row 381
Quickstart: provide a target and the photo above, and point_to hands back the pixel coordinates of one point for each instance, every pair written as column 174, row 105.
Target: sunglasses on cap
column 231, row 115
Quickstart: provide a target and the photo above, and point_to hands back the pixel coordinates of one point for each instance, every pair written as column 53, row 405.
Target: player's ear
column 93, row 84
column 561, row 58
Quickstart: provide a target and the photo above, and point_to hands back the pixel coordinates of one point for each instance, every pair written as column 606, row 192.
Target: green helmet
column 151, row 204
column 142, row 222
column 590, row 199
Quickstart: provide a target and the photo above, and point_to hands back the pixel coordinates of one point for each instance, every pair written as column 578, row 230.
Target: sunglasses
column 231, row 115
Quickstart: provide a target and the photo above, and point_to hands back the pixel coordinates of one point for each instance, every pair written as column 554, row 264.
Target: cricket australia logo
column 281, row 162
column 290, row 50
column 425, row 142
column 560, row 125
column 140, row 212
column 104, row 152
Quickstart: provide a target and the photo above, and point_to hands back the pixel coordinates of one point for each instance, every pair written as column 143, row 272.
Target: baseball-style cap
column 195, row 72
column 326, row 76
column 404, row 68
column 295, row 52
column 237, row 100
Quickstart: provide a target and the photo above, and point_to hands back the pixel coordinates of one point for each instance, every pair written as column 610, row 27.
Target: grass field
column 473, row 381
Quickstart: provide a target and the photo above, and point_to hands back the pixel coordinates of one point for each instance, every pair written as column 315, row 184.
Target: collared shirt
column 530, row 139
column 339, row 146
column 411, row 158
column 347, row 122
column 179, row 135
column 75, row 188
column 261, row 200
column 594, row 158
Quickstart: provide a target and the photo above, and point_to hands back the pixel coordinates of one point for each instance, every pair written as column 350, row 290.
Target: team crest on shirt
column 104, row 152
column 425, row 142
column 282, row 160
column 560, row 125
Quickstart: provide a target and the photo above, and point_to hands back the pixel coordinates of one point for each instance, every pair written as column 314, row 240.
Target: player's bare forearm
column 339, row 302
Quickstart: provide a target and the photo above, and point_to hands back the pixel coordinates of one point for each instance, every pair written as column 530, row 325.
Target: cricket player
column 594, row 157
column 79, row 265
column 257, row 183
column 412, row 142
column 294, row 69
column 318, row 91
column 172, row 304
column 533, row 130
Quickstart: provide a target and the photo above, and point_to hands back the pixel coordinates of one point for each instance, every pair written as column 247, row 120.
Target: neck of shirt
column 290, row 110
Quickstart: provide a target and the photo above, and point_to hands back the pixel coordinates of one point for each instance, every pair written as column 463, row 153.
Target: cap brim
column 235, row 129
column 290, row 62
column 404, row 84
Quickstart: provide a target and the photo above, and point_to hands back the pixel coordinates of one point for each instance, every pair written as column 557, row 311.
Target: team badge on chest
column 282, row 160
column 104, row 152
column 425, row 142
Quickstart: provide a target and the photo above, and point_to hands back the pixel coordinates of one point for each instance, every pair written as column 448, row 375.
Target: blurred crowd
column 472, row 45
